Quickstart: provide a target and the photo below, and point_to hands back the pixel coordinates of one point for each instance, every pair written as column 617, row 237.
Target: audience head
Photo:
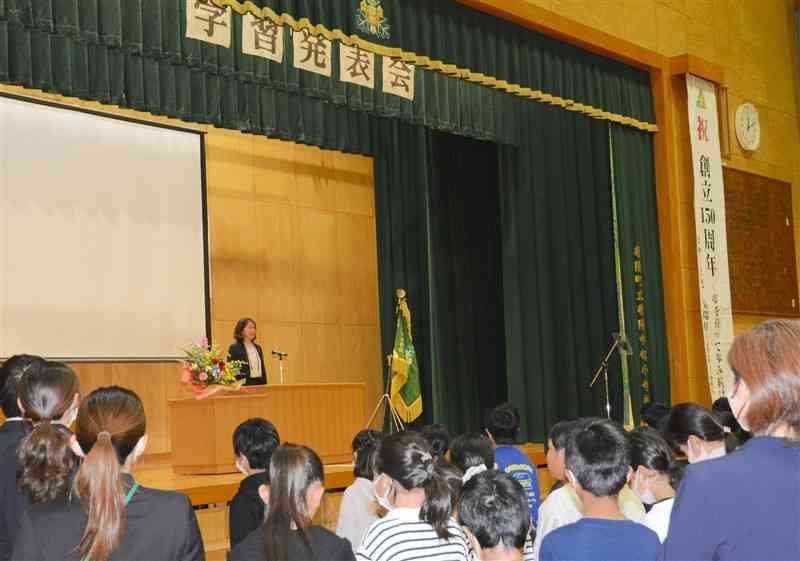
column 405, row 468
column 598, row 458
column 10, row 373
column 254, row 441
column 765, row 396
column 296, row 489
column 721, row 405
column 654, row 415
column 472, row 450
column 48, row 395
column 365, row 445
column 559, row 435
column 111, row 436
column 494, row 511
column 439, row 438
column 503, row 422
column 245, row 330
column 454, row 478
column 697, row 432
column 653, row 464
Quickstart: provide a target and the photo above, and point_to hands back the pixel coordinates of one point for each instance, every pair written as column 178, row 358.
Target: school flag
column 405, row 391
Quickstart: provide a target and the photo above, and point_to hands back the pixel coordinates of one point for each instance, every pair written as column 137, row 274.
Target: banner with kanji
column 712, row 241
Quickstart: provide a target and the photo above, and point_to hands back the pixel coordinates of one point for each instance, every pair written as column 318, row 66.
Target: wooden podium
column 324, row 417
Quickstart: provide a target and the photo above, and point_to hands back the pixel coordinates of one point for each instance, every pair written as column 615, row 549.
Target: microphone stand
column 603, row 369
column 280, row 356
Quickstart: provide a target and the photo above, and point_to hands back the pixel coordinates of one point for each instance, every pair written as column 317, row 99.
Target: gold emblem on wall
column 370, row 19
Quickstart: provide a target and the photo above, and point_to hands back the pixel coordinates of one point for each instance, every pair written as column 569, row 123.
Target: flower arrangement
column 206, row 370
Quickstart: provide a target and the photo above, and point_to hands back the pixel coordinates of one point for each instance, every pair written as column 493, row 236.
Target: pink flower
column 186, row 375
column 203, row 377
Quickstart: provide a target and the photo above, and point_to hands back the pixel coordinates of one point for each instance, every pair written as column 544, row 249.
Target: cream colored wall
column 754, row 42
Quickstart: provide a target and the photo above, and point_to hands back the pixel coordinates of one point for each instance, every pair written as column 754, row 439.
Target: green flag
column 405, row 388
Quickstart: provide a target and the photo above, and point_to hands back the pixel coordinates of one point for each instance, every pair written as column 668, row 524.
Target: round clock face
column 748, row 126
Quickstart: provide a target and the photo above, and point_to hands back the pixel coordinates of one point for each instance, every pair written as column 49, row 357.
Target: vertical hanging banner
column 712, row 241
column 205, row 21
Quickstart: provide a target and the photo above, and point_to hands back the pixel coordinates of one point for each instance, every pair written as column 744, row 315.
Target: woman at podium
column 245, row 349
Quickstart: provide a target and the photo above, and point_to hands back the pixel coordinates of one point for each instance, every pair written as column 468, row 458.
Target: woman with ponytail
column 108, row 516
column 698, row 433
column 295, row 493
column 410, row 485
column 656, row 476
column 358, row 509
column 39, row 468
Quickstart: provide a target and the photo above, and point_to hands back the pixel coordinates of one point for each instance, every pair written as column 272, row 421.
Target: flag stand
column 386, row 401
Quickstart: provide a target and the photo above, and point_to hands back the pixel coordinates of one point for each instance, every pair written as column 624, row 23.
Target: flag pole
column 385, row 399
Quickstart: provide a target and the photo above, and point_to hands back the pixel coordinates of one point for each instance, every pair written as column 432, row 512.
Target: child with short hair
column 502, row 425
column 254, row 441
column 495, row 515
column 359, row 508
column 598, row 458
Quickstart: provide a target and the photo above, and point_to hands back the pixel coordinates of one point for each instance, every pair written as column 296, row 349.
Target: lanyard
column 128, row 498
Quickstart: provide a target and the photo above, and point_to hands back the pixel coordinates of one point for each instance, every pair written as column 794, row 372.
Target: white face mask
column 641, row 488
column 703, row 454
column 240, row 467
column 383, row 500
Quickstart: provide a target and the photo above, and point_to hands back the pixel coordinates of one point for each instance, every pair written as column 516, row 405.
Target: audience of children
column 597, row 465
column 254, row 441
column 71, row 496
column 359, row 508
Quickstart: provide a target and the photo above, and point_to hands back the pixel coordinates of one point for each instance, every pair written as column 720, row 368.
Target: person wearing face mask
column 254, row 441
column 698, row 433
column 410, row 485
column 107, row 515
column 655, row 477
column 359, row 508
column 746, row 506
column 41, row 468
column 297, row 486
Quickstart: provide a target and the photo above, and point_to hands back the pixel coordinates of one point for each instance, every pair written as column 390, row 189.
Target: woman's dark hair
column 292, row 471
column 455, row 480
column 692, row 419
column 767, row 360
column 256, row 439
column 365, row 444
column 111, row 421
column 46, row 392
column 407, row 458
column 503, row 422
column 439, row 438
column 472, row 449
column 10, row 373
column 721, row 405
column 238, row 330
column 651, row 450
column 655, row 415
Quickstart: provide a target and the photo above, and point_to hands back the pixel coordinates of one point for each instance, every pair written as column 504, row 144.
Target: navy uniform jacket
column 744, row 506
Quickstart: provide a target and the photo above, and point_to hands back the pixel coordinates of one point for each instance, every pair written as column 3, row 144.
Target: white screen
column 101, row 236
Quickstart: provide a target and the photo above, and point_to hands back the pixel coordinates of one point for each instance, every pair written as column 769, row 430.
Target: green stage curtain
column 468, row 332
column 634, row 180
column 558, row 269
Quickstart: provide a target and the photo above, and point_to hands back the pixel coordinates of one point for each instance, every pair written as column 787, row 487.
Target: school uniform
column 743, row 506
column 253, row 370
column 325, row 546
column 657, row 519
column 161, row 525
column 11, row 432
column 246, row 511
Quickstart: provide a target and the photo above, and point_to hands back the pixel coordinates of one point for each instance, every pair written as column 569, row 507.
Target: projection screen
column 103, row 247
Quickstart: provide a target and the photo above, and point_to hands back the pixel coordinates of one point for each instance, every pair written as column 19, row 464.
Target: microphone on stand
column 622, row 343
column 279, row 354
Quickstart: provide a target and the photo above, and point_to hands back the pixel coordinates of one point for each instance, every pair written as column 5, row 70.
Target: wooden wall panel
column 318, row 265
column 357, row 263
column 278, row 244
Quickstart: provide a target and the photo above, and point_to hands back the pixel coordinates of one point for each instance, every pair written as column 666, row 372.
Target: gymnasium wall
column 293, row 245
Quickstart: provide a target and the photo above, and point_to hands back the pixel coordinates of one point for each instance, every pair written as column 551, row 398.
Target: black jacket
column 238, row 352
column 161, row 525
column 246, row 511
column 327, row 546
column 11, row 432
column 12, row 502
